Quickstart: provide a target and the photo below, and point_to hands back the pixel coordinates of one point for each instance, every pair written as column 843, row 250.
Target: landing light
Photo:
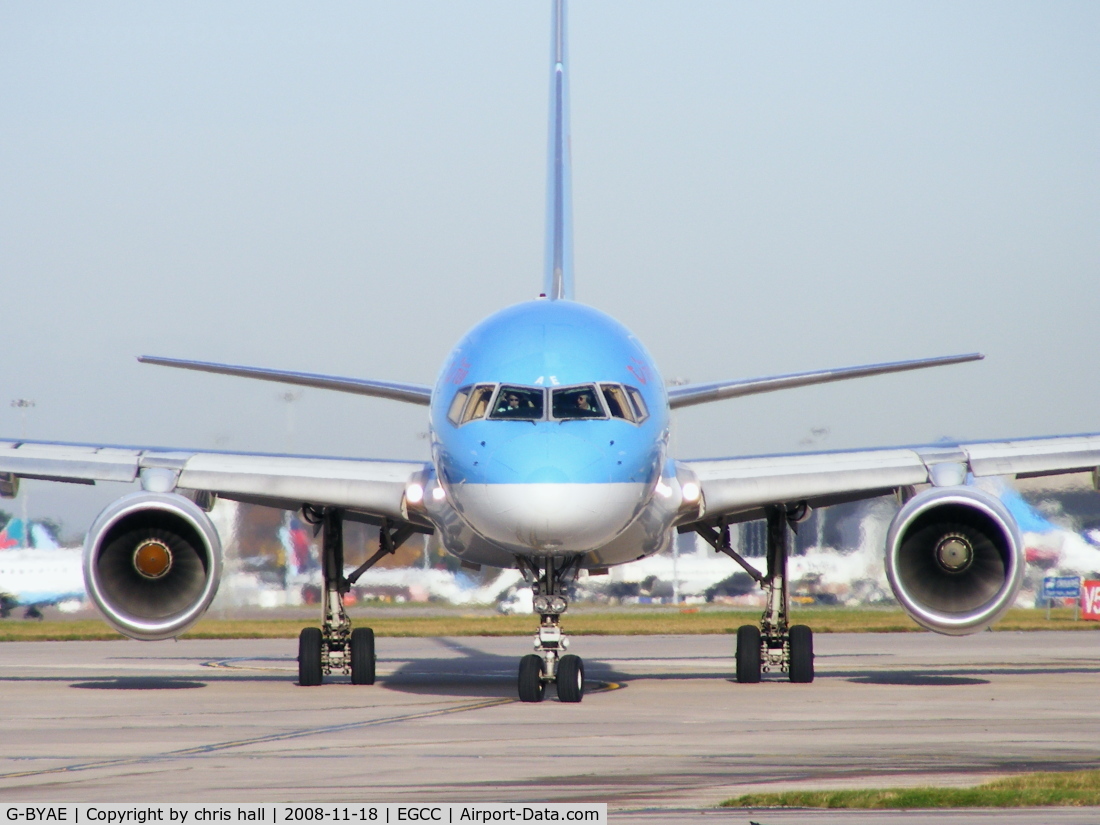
column 690, row 491
column 414, row 493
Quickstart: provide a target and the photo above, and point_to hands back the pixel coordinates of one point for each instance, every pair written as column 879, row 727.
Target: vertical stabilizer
column 558, row 281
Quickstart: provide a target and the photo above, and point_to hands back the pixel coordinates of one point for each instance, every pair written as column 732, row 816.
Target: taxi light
column 414, row 493
column 438, row 493
column 663, row 490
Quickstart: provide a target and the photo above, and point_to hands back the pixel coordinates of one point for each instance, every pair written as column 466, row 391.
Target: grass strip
column 1070, row 789
column 621, row 622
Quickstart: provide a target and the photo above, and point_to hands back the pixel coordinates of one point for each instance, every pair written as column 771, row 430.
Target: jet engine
column 152, row 562
column 954, row 559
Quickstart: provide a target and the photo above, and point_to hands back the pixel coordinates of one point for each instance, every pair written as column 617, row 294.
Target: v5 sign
column 1090, row 600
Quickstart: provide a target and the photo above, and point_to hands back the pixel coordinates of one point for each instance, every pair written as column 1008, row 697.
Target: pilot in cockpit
column 510, row 406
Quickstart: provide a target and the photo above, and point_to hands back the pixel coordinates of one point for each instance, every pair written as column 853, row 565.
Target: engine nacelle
column 954, row 559
column 152, row 563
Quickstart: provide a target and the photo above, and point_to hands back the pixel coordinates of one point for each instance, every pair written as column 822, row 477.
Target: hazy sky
column 347, row 187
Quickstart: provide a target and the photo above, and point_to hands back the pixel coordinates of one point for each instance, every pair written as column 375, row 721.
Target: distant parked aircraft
column 32, row 577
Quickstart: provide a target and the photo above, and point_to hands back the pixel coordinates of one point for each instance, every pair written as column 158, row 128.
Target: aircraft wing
column 368, row 486
column 739, row 488
column 686, row 396
column 396, row 391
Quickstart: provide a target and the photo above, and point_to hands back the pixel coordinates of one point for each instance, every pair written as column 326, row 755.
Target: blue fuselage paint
column 548, row 344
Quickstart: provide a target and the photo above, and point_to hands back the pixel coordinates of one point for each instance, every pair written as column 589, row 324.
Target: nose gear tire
column 570, row 678
column 531, row 686
column 309, row 657
column 748, row 654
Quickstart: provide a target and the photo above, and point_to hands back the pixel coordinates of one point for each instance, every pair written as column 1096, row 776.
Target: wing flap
column 1035, row 457
column 371, row 486
column 732, row 485
column 68, row 461
column 738, row 485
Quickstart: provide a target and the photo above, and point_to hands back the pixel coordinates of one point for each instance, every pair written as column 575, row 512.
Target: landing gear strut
column 335, row 647
column 549, row 663
column 775, row 644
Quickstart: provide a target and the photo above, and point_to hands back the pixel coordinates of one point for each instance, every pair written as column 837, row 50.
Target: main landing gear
column 335, row 647
column 550, row 663
column 774, row 644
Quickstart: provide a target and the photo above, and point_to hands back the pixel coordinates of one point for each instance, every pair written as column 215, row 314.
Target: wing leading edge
column 396, row 391
column 690, row 394
column 368, row 486
column 742, row 486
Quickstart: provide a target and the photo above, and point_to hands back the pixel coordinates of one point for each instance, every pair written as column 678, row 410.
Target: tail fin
column 558, row 281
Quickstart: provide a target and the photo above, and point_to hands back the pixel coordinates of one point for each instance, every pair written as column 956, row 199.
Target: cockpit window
column 470, row 403
column 617, row 403
column 520, row 403
column 458, row 404
column 586, row 401
column 636, row 399
column 577, row 402
column 479, row 403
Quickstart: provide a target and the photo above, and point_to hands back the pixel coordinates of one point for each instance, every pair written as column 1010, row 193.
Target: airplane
column 39, row 572
column 1048, row 547
column 549, row 432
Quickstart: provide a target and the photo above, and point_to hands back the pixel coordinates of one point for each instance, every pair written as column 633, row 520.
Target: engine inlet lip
column 125, row 622
column 971, row 621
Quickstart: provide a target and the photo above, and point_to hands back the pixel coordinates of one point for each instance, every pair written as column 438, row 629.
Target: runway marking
column 214, row 747
column 231, row 664
column 715, row 662
column 257, row 740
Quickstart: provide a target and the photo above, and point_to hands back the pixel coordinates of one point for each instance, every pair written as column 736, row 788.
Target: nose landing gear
column 549, row 663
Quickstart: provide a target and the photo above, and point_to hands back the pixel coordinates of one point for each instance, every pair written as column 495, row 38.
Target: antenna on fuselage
column 558, row 280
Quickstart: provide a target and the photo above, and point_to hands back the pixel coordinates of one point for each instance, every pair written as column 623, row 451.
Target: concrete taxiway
column 662, row 732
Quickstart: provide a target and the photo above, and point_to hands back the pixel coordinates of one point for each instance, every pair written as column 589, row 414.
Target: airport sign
column 1061, row 587
column 1090, row 600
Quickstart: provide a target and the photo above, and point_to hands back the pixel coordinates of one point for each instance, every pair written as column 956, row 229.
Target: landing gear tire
column 801, row 640
column 570, row 678
column 309, row 657
column 362, row 656
column 748, row 654
column 531, row 686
